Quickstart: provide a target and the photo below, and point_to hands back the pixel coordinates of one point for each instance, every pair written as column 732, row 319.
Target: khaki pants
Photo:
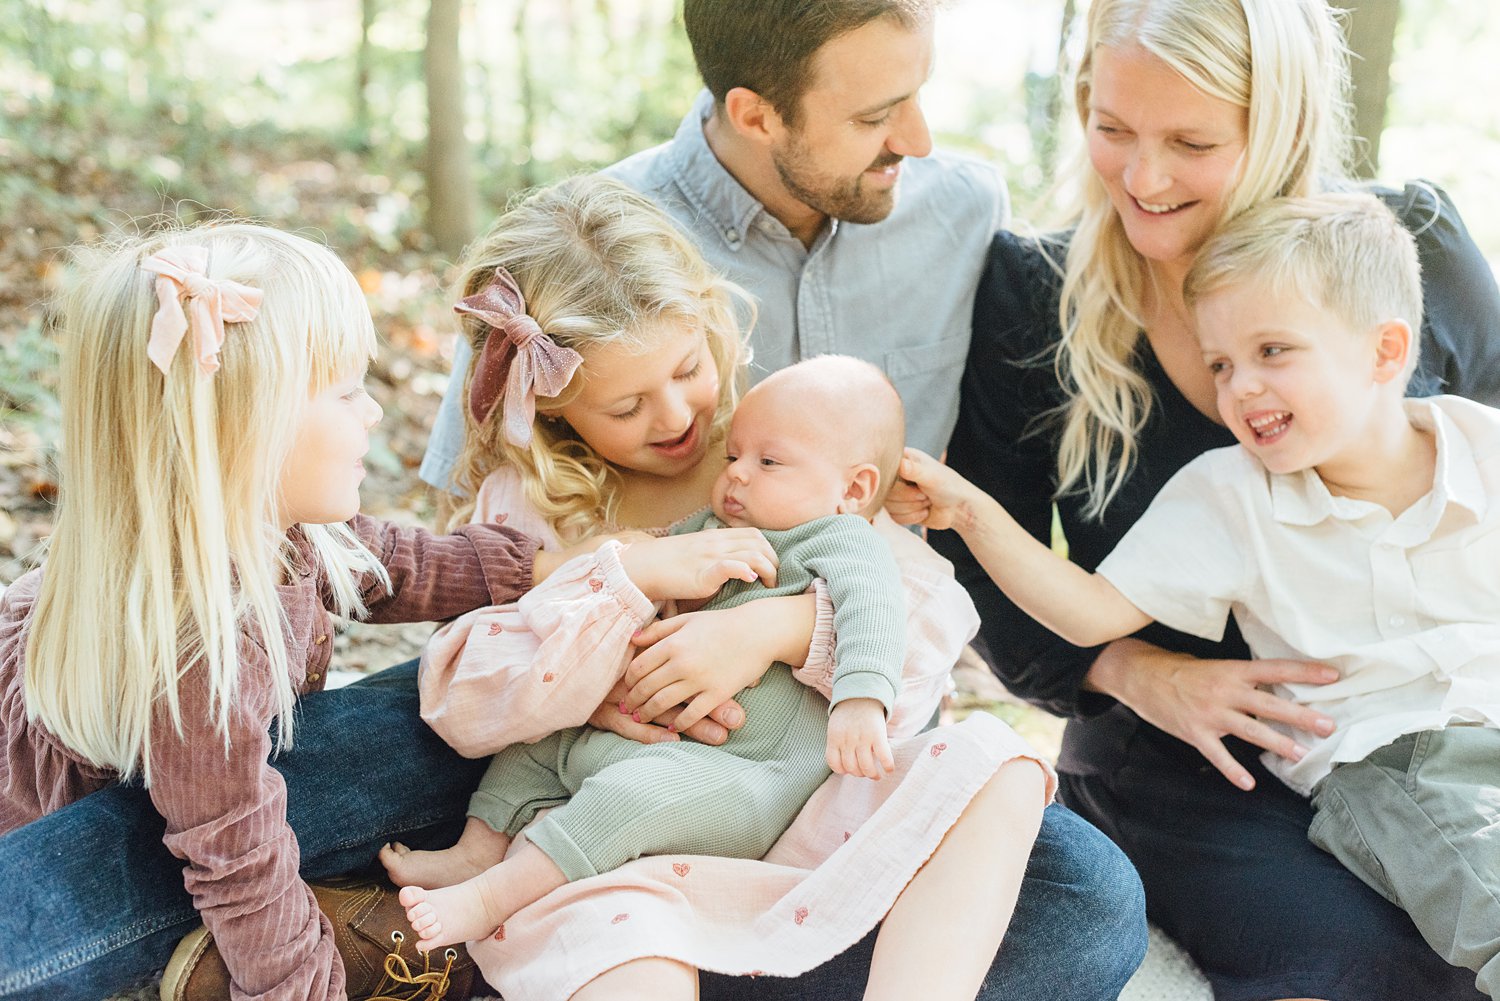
column 1419, row 821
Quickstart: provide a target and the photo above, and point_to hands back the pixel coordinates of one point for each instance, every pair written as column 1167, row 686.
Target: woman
column 1085, row 384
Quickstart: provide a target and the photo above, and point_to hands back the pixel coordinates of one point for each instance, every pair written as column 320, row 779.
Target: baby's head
column 1306, row 310
column 818, row 438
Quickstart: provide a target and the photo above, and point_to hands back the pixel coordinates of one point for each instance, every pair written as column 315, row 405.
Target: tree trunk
column 362, row 73
column 1371, row 29
column 450, row 181
column 528, row 97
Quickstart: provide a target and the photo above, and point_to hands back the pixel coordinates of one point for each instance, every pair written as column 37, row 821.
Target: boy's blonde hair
column 1285, row 63
column 1346, row 253
column 597, row 264
column 167, row 550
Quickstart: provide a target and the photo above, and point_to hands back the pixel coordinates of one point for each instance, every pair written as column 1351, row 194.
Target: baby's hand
column 928, row 493
column 857, row 741
column 697, row 565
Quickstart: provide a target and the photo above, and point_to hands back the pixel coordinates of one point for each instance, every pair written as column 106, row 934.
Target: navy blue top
column 1006, row 443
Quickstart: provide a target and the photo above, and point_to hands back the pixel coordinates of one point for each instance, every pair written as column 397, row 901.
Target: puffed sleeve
column 515, row 673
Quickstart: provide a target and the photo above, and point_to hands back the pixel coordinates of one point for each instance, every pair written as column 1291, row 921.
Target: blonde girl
column 214, row 422
column 1086, row 387
column 632, row 440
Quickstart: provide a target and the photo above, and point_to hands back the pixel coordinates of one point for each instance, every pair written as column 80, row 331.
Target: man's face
column 858, row 119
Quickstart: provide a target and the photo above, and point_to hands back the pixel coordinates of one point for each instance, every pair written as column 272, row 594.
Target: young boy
column 1350, row 526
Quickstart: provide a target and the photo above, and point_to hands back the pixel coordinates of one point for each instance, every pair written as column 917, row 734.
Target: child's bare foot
column 448, row 915
column 478, row 848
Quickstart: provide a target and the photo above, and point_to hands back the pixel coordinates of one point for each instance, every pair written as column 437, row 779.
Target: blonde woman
column 214, row 422
column 1085, row 386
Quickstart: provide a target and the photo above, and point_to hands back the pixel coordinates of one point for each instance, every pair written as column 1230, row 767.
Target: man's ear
column 752, row 116
column 864, row 481
column 1392, row 349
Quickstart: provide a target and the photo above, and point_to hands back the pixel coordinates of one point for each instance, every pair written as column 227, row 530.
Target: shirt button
column 321, row 640
column 1397, row 621
column 732, row 235
column 314, row 677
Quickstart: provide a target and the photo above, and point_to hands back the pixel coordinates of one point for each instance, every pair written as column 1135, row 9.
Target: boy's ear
column 1392, row 349
column 751, row 115
column 864, row 481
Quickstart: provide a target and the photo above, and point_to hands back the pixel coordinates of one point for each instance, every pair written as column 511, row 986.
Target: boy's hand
column 928, row 493
column 697, row 565
column 857, row 741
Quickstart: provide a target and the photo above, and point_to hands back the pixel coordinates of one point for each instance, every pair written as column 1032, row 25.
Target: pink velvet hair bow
column 517, row 362
column 182, row 273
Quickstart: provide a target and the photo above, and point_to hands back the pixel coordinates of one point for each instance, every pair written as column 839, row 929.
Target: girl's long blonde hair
column 167, row 550
column 1284, row 61
column 597, row 264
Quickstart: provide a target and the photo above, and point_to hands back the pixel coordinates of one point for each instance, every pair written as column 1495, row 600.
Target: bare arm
column 1081, row 607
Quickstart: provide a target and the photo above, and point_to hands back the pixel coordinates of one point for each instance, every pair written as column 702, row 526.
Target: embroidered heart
column 618, row 918
column 495, row 629
column 681, row 868
column 549, row 676
column 846, row 835
column 595, row 584
column 937, row 749
column 799, row 915
column 500, row 518
column 500, row 934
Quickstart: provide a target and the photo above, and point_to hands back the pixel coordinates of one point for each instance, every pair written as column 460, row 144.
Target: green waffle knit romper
column 618, row 799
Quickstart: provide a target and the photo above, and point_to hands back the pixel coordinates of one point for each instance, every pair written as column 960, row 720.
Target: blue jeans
column 95, row 902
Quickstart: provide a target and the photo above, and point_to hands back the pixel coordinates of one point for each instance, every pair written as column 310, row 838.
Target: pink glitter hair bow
column 182, row 273
column 517, row 362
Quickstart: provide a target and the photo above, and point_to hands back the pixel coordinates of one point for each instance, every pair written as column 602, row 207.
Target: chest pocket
column 927, row 377
column 1460, row 576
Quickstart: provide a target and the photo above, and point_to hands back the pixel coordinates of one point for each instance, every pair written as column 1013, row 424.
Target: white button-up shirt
column 898, row 293
column 1406, row 608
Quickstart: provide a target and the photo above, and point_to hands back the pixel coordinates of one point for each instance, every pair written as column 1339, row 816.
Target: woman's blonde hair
column 597, row 264
column 167, row 549
column 1285, row 63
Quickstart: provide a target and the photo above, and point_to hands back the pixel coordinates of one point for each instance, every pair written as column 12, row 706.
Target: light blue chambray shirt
column 898, row 293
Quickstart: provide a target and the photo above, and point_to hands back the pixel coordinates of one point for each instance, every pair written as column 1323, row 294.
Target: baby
column 810, row 455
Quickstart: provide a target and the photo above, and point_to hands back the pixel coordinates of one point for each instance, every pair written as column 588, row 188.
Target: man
column 805, row 175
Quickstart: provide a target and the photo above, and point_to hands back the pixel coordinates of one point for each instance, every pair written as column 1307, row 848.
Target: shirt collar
column 704, row 181
column 1302, row 498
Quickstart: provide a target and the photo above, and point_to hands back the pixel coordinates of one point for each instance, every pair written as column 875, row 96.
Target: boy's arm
column 1082, row 607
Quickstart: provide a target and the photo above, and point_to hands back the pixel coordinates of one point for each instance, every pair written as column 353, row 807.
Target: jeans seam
column 78, row 956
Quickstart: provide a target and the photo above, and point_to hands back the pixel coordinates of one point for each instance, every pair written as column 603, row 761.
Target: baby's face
column 782, row 470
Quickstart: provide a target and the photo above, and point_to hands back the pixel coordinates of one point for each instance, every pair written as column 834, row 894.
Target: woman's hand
column 697, row 565
column 928, row 493
column 1203, row 701
column 703, row 658
column 711, row 729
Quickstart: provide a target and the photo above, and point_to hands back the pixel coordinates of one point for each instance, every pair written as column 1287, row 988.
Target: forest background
column 396, row 129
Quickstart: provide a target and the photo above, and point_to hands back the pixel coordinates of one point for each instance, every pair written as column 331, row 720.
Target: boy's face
column 782, row 471
column 1296, row 384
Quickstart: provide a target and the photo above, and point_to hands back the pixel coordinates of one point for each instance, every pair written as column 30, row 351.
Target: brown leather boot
column 381, row 962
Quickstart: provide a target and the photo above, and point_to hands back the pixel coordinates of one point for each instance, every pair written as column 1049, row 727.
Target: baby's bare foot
column 479, row 848
column 448, row 915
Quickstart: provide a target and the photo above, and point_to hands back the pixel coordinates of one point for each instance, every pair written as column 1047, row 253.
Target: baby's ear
column 859, row 495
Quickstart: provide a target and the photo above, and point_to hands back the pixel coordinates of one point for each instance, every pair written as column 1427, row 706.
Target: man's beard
column 838, row 198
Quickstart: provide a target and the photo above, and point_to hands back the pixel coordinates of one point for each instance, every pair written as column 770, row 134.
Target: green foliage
column 28, row 377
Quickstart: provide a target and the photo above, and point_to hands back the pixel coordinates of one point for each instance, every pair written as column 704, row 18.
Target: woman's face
column 649, row 411
column 1167, row 152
